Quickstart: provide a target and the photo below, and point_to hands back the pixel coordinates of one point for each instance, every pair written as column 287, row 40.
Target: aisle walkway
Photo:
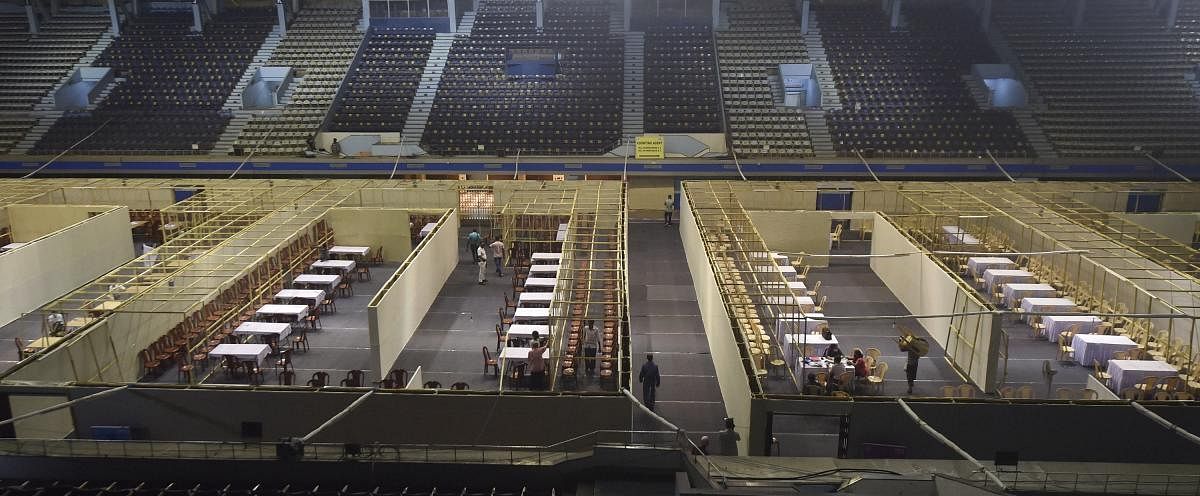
column 665, row 321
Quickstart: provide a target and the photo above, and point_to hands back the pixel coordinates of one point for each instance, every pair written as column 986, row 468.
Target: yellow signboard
column 649, row 146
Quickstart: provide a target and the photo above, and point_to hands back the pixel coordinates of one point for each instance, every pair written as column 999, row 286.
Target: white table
column 789, row 272
column 541, row 283
column 428, row 228
column 993, row 278
column 958, row 236
column 1056, row 324
column 1090, row 347
column 798, row 346
column 1016, row 291
column 976, row 265
column 316, row 295
column 805, row 303
column 330, row 281
column 546, row 257
column 278, row 329
column 242, row 352
column 525, row 331
column 525, row 314
column 520, row 353
column 340, row 265
column 296, row 312
column 1126, row 373
column 357, row 251
column 797, row 323
column 1048, row 305
column 544, row 269
column 534, row 299
column 12, row 246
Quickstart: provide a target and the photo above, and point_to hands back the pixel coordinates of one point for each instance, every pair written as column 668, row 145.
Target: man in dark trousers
column 650, row 381
column 668, row 210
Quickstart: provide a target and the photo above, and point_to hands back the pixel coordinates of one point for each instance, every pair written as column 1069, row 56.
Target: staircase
column 1000, row 45
column 816, row 53
column 229, row 136
column 431, row 77
column 616, row 17
column 234, row 101
column 818, row 133
column 1033, row 133
column 979, row 91
column 104, row 93
column 466, row 23
column 47, row 102
column 45, row 120
column 633, row 113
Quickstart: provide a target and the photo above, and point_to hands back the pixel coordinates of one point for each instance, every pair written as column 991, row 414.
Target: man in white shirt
column 481, row 261
column 498, row 249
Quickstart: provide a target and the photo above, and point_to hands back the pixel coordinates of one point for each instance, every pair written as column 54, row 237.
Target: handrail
column 998, row 166
column 1173, row 171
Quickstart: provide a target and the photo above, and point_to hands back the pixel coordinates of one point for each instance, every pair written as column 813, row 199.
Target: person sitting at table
column 812, row 387
column 833, row 380
column 860, row 365
column 537, row 365
column 832, row 351
column 56, row 322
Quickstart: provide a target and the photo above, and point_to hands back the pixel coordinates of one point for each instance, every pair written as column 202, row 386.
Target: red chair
column 488, row 361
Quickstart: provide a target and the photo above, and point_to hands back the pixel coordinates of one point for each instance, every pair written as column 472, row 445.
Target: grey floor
column 27, row 328
column 665, row 321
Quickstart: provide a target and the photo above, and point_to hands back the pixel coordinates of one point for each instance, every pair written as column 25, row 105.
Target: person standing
column 591, row 342
column 537, row 366
column 668, row 210
column 728, row 437
column 481, row 260
column 650, row 381
column 473, row 241
column 498, row 250
column 335, row 148
column 910, row 367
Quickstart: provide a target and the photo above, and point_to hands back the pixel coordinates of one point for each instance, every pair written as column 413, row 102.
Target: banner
column 649, row 146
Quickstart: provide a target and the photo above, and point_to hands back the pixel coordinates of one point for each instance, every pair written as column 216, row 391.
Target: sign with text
column 649, row 146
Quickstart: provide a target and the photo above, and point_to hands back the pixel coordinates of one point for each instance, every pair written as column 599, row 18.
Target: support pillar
column 450, row 9
column 295, row 7
column 112, row 16
column 135, row 7
column 366, row 14
column 1172, row 13
column 716, row 14
column 197, row 22
column 1080, row 9
column 985, row 16
column 805, row 12
column 895, row 14
column 31, row 17
column 627, row 10
column 540, row 13
column 281, row 15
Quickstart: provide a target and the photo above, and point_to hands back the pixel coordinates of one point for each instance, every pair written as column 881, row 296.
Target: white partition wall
column 54, row 263
column 796, row 232
column 400, row 306
column 926, row 289
column 731, row 375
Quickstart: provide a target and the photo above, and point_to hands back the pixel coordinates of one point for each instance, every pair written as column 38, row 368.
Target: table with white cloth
column 544, row 269
column 528, row 299
column 540, row 284
column 545, row 256
column 1056, row 324
column 525, row 331
column 958, row 236
column 805, row 303
column 797, row 346
column 278, row 329
column 316, row 296
column 797, row 323
column 427, row 228
column 1017, row 291
column 994, row 278
column 1100, row 347
column 531, row 314
column 1048, row 305
column 342, row 266
column 520, row 353
column 330, row 281
column 295, row 312
column 976, row 265
column 242, row 352
column 789, row 272
column 355, row 251
column 1127, row 373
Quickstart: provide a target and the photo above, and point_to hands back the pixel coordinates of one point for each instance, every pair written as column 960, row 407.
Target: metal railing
column 1097, row 483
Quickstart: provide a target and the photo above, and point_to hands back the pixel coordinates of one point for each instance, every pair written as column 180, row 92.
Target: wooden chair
column 1006, row 392
column 835, row 238
column 812, row 293
column 345, row 288
column 1184, row 396
column 319, row 379
column 1089, row 394
column 1162, row 396
column 285, row 360
column 253, row 372
column 1025, row 392
column 966, row 391
column 949, row 392
column 1147, row 385
column 504, row 321
column 354, row 378
column 300, row 340
column 22, row 350
column 1120, row 355
column 328, row 305
column 460, row 386
column 488, row 361
column 183, row 374
column 1131, row 394
column 313, row 319
column 1064, row 394
column 364, row 273
column 1099, row 373
column 841, row 394
column 516, row 374
column 510, row 305
column 287, row 378
column 820, row 306
column 377, row 258
column 1065, row 351
column 877, row 379
column 1169, row 384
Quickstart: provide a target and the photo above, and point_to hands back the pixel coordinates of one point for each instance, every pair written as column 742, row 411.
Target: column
column 1080, row 8
column 295, row 7
column 197, row 23
column 628, row 11
column 112, row 16
column 135, row 7
column 805, row 9
column 366, row 14
column 985, row 16
column 895, row 14
column 1172, row 13
column 450, row 7
column 32, row 17
column 540, row 14
column 281, row 14
column 716, row 14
